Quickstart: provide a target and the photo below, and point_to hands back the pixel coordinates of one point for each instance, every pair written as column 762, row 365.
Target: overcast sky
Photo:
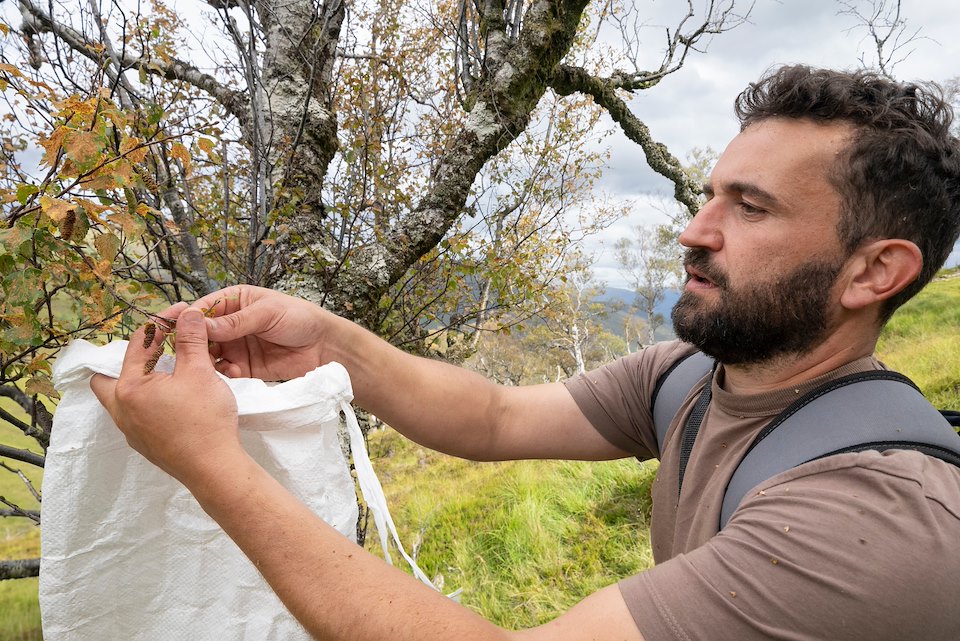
column 693, row 107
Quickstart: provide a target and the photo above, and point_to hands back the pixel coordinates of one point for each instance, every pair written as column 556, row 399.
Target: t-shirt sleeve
column 843, row 548
column 616, row 398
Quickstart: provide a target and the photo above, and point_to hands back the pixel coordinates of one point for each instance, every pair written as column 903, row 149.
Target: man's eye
column 750, row 210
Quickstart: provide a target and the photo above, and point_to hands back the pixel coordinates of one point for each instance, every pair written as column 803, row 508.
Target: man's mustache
column 698, row 259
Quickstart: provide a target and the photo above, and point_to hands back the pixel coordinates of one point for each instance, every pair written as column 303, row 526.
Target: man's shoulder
column 892, row 477
column 616, row 398
column 658, row 358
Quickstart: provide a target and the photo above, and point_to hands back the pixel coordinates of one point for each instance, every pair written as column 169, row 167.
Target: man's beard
column 756, row 322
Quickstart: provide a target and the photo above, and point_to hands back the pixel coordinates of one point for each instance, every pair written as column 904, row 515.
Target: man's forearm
column 454, row 410
column 439, row 405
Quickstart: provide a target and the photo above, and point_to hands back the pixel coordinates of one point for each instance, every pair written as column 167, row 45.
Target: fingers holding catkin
column 149, row 335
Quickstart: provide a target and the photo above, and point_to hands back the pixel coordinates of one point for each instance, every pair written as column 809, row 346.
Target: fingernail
column 191, row 311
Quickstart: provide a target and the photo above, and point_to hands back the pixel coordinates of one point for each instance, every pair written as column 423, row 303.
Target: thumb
column 243, row 322
column 191, row 340
column 105, row 389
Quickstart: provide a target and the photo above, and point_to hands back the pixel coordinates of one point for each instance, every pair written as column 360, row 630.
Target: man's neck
column 789, row 370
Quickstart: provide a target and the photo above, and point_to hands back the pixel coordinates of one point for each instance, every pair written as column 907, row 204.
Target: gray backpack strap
column 883, row 411
column 673, row 387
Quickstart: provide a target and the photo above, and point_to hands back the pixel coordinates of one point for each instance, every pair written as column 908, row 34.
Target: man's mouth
column 697, row 279
column 700, row 272
column 697, row 276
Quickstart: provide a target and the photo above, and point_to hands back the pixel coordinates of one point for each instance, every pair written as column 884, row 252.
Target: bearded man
column 837, row 202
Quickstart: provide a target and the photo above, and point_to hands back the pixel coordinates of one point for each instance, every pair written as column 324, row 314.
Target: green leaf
column 154, row 114
column 24, row 331
column 24, row 191
column 22, row 287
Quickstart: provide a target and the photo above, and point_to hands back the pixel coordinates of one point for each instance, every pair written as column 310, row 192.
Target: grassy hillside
column 524, row 540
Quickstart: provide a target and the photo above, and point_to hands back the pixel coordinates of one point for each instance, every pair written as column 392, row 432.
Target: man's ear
column 878, row 270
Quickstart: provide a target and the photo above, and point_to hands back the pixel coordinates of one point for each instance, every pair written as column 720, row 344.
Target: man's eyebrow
column 745, row 189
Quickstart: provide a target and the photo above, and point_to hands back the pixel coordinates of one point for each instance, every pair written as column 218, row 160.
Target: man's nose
column 704, row 229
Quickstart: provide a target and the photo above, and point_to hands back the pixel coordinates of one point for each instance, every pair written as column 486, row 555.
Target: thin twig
column 25, row 480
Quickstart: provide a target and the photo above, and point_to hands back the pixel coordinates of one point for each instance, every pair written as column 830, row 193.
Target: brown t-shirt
column 853, row 546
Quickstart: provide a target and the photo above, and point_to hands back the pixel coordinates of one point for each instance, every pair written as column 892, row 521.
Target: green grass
column 524, row 540
column 922, row 340
column 20, row 618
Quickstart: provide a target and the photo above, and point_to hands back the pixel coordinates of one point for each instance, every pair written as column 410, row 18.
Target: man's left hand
column 182, row 422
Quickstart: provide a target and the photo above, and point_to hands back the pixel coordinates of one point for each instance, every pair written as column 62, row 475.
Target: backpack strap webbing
column 884, row 410
column 673, row 387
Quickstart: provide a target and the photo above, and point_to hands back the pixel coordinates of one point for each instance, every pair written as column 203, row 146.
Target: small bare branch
column 33, row 515
column 36, row 20
column 892, row 39
column 24, row 456
column 688, row 35
column 16, row 510
column 23, row 478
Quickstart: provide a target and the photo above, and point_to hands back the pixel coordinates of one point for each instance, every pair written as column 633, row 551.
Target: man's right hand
column 261, row 333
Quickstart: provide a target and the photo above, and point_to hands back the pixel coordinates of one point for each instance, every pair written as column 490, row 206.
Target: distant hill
column 626, row 298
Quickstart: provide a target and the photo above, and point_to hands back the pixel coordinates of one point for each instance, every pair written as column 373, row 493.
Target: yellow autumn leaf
column 93, row 209
column 83, row 147
column 133, row 148
column 38, row 364
column 78, row 105
column 206, row 145
column 55, row 269
column 40, row 385
column 10, row 68
column 181, row 153
column 122, row 172
column 56, row 208
column 145, row 211
column 127, row 223
column 52, row 145
column 103, row 269
column 109, row 325
column 100, row 180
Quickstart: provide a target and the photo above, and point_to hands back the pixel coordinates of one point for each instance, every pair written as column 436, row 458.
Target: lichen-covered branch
column 19, row 569
column 568, row 79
